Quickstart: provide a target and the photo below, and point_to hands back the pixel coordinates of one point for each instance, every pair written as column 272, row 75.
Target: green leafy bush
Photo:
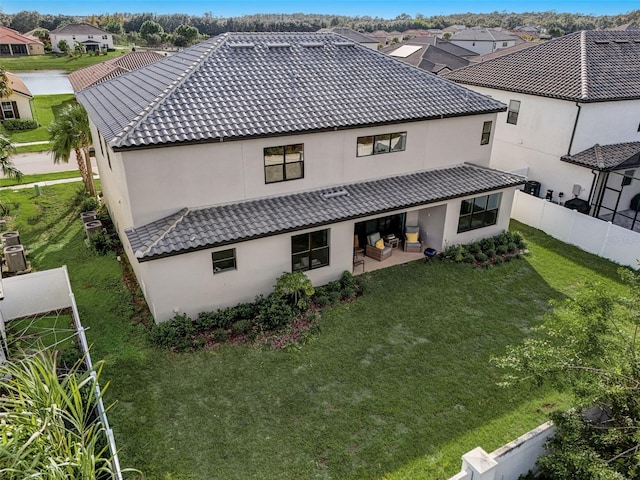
column 274, row 312
column 474, row 248
column 487, row 244
column 481, row 257
column 19, row 124
column 501, row 249
column 295, row 289
column 88, row 203
column 241, row 327
column 468, row 258
column 490, row 253
column 511, row 247
column 219, row 335
column 498, row 260
column 174, row 334
column 101, row 242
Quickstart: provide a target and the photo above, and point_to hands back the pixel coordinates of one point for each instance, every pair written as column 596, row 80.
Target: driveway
column 42, row 162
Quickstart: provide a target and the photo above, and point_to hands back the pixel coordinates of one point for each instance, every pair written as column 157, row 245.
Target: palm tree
column 7, row 167
column 70, row 132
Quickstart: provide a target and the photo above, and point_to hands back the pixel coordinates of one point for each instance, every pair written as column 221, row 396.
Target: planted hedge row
column 488, row 251
column 292, row 302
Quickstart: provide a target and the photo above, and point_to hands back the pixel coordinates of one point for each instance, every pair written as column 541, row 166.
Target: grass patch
column 39, row 177
column 398, row 384
column 44, row 147
column 54, row 61
column 45, row 109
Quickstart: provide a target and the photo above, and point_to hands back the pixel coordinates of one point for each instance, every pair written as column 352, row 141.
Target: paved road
column 42, row 162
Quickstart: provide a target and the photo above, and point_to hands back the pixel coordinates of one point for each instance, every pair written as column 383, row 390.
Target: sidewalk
column 45, row 183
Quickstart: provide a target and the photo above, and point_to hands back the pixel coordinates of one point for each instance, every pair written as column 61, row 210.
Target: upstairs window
column 384, row 143
column 512, row 113
column 486, row 133
column 224, row 261
column 283, row 163
column 479, row 212
column 310, row 250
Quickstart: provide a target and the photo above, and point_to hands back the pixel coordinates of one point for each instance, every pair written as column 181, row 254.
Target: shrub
column 511, row 247
column 241, row 327
column 347, row 293
column 487, row 244
column 468, row 258
column 334, row 297
column 322, row 300
column 101, row 242
column 347, row 281
column 498, row 260
column 474, row 248
column 274, row 312
column 88, row 203
column 18, row 124
column 174, row 334
column 208, row 320
column 219, row 335
column 481, row 257
column 501, row 249
column 294, row 288
column 490, row 253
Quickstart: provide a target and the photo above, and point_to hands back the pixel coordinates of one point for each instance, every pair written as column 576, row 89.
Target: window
column 283, row 163
column 224, row 260
column 90, row 36
column 504, row 44
column 7, row 110
column 512, row 113
column 479, row 212
column 486, row 133
column 310, row 251
column 628, row 177
column 384, row 143
column 104, row 37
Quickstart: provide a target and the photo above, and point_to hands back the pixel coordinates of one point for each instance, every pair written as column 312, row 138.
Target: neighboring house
column 91, row 38
column 14, row 43
column 572, row 122
column 422, row 52
column 354, row 36
column 503, row 51
column 484, row 40
column 18, row 104
column 101, row 72
column 254, row 154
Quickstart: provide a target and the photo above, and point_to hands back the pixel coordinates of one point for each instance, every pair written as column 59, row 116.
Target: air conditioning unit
column 88, row 216
column 93, row 226
column 15, row 258
column 10, row 238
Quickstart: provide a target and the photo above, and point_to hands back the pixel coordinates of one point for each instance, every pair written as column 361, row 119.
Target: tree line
column 209, row 24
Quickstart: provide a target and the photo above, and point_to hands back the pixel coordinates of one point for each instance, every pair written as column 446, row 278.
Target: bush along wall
column 285, row 319
column 488, row 252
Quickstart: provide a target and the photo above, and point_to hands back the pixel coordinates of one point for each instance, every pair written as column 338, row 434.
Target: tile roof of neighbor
column 483, row 35
column 426, row 55
column 100, row 72
column 351, row 34
column 607, row 157
column 264, row 84
column 189, row 230
column 503, row 51
column 17, row 85
column 587, row 66
column 79, row 29
column 8, row 35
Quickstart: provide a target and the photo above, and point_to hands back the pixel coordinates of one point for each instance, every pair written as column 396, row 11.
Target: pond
column 46, row 82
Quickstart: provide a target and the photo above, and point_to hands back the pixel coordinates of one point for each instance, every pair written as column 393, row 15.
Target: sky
column 386, row 9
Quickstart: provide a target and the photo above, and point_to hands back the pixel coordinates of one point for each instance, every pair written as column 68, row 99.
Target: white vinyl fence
column 595, row 236
column 509, row 461
column 47, row 291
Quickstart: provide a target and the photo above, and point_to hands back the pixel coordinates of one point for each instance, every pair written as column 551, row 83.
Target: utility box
column 93, row 226
column 88, row 216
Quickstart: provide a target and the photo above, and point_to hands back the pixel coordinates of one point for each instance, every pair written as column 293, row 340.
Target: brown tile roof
column 607, row 157
column 17, row 85
column 8, row 35
column 100, row 72
column 587, row 66
column 79, row 29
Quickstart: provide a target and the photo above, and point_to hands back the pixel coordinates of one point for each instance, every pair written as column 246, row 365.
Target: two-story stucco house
column 484, row 40
column 250, row 155
column 91, row 38
column 572, row 122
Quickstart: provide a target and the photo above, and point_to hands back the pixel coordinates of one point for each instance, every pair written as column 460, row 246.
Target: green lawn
column 45, row 109
column 39, row 177
column 53, row 61
column 397, row 385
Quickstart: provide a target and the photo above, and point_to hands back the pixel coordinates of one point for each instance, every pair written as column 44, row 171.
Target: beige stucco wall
column 160, row 181
column 55, row 38
column 24, row 105
column 36, row 49
column 186, row 283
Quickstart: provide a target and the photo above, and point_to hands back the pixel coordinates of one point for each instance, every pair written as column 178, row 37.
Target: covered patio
column 397, row 258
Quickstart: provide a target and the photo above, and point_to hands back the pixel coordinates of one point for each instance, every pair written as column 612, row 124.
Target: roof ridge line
column 584, row 84
column 179, row 217
column 115, row 142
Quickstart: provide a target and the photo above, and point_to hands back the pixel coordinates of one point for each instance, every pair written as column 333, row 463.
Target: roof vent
column 621, row 41
column 278, row 45
column 242, row 45
column 335, row 193
column 312, row 44
column 601, row 42
column 344, row 44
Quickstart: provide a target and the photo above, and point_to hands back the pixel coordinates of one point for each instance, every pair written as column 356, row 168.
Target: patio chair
column 376, row 247
column 412, row 241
